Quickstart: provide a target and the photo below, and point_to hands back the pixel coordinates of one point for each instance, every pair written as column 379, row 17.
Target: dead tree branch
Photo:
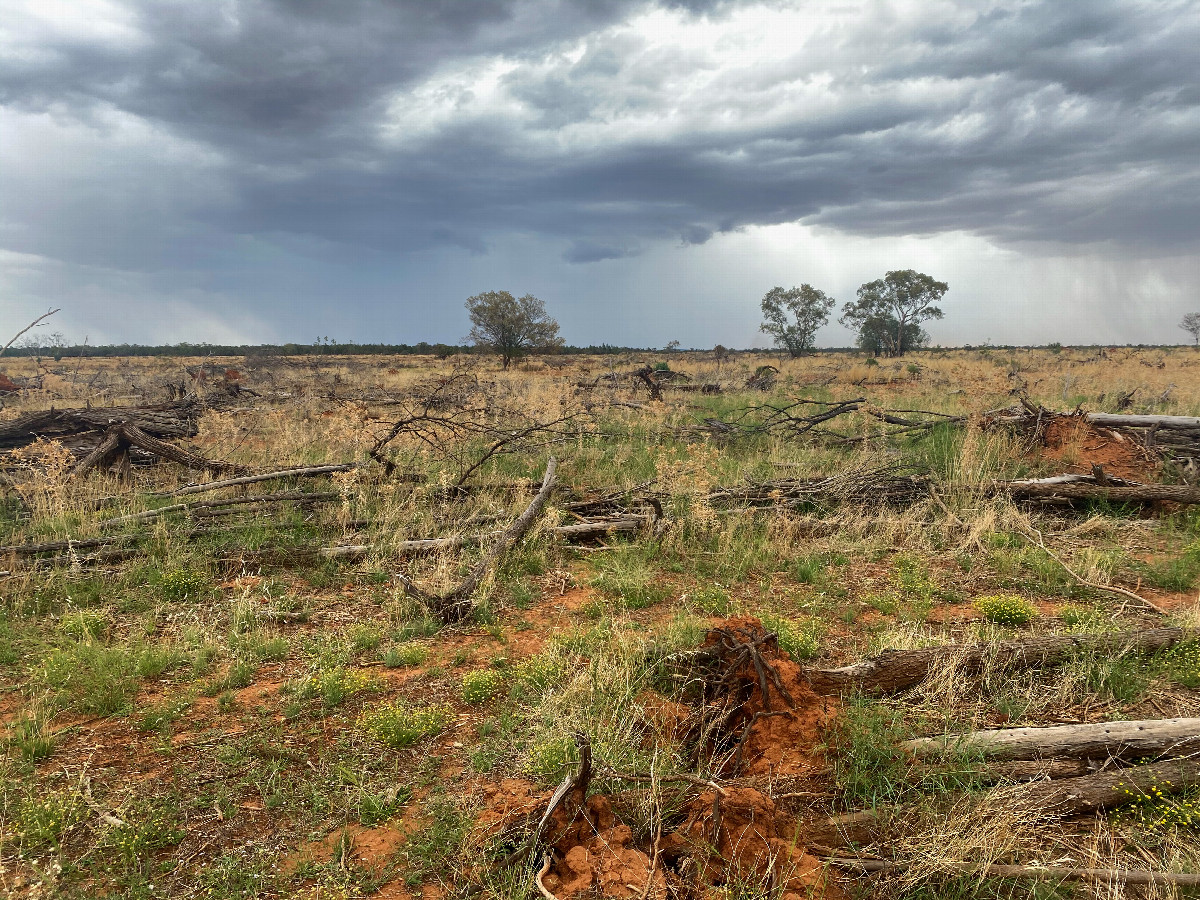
column 455, row 604
column 28, row 327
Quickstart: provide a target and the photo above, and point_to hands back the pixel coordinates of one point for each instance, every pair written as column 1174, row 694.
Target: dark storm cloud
column 204, row 131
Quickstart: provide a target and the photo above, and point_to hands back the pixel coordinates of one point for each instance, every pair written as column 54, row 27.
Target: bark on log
column 298, row 496
column 55, row 546
column 1148, row 737
column 1142, row 493
column 432, row 545
column 1116, row 420
column 1060, row 873
column 895, row 670
column 300, row 472
column 1089, row 793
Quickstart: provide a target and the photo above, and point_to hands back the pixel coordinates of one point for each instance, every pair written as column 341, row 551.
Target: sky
column 246, row 171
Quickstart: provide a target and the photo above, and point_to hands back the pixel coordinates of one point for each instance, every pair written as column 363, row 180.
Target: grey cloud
column 263, row 124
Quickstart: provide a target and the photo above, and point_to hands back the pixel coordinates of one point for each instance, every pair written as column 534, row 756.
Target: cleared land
column 741, row 592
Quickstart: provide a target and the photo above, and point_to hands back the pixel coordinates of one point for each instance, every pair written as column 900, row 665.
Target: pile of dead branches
column 116, row 437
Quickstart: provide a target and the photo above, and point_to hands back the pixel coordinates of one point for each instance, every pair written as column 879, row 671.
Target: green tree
column 878, row 334
column 1191, row 324
column 510, row 327
column 892, row 306
column 792, row 317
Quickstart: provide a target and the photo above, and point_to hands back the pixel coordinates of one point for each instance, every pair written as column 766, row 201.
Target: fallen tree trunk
column 895, row 670
column 298, row 496
column 1141, row 493
column 1059, row 873
column 1150, row 737
column 1118, row 420
column 300, row 472
column 432, row 545
column 121, row 437
column 1089, row 793
column 56, row 546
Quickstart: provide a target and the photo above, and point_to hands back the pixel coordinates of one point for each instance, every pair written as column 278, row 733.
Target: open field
column 268, row 693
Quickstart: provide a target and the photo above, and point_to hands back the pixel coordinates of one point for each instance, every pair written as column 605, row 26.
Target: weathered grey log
column 298, row 496
column 1089, row 793
column 1051, row 873
column 56, row 546
column 299, row 472
column 1147, row 737
column 1117, row 420
column 1176, row 493
column 895, row 670
column 432, row 545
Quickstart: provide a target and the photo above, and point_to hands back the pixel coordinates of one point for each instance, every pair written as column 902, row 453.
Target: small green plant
column 1156, row 808
column 405, row 655
column 1182, row 664
column 535, row 675
column 401, row 725
column 31, row 738
column 480, row 686
column 182, row 584
column 95, row 680
column 798, row 640
column 365, row 638
column 162, row 716
column 144, row 829
column 807, row 569
column 239, row 675
column 713, row 599
column 44, row 821
column 1009, row 610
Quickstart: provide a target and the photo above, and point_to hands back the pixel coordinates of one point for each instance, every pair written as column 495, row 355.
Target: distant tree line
column 332, row 348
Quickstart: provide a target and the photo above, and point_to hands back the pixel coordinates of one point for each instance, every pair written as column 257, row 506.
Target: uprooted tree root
column 758, row 721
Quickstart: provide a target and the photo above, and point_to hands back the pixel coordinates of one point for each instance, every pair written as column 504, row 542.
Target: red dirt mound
column 1078, row 446
column 743, row 837
column 780, row 727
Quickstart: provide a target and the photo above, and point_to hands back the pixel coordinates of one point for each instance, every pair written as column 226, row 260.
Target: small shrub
column 1182, row 664
column 332, row 686
column 1009, row 610
column 798, row 640
column 182, row 584
column 713, row 599
column 85, row 624
column 146, row 828
column 480, row 686
column 44, row 821
column 364, row 638
column 532, row 677
column 401, row 725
